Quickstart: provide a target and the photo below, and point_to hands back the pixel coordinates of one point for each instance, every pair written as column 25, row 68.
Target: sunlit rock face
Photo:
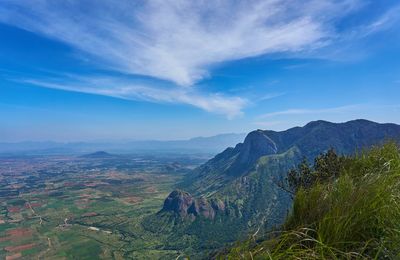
column 256, row 144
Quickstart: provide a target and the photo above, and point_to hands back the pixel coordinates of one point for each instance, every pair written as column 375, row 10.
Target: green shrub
column 355, row 215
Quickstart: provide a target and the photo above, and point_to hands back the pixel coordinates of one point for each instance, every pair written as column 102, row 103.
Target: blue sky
column 107, row 70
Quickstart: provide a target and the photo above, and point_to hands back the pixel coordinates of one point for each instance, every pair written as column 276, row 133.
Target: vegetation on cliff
column 344, row 208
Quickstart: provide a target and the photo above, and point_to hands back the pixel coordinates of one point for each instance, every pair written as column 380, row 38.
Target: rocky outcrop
column 184, row 205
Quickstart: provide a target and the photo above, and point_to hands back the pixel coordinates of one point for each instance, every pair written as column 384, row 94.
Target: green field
column 76, row 208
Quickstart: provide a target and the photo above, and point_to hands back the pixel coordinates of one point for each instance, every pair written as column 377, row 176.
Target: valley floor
column 84, row 208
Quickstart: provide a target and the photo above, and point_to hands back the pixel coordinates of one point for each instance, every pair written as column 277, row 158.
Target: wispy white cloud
column 295, row 66
column 290, row 112
column 269, row 96
column 346, row 45
column 268, row 124
column 178, row 40
column 228, row 106
column 385, row 21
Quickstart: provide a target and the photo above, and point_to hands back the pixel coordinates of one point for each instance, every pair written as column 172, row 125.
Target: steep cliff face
column 230, row 164
column 255, row 145
column 185, row 206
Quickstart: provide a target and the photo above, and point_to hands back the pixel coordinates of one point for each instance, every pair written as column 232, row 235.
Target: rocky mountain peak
column 255, row 145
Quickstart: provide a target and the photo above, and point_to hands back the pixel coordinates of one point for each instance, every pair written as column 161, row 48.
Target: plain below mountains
column 238, row 191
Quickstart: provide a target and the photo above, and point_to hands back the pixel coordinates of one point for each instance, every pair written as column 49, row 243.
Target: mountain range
column 212, row 144
column 238, row 190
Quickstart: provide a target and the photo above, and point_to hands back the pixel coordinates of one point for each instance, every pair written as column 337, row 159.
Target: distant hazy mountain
column 98, row 155
column 211, row 144
column 237, row 190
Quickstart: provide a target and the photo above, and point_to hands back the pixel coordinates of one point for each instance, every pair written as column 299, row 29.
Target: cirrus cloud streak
column 229, row 106
column 178, row 40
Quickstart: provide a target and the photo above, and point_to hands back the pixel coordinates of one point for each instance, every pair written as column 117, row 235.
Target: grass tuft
column 353, row 216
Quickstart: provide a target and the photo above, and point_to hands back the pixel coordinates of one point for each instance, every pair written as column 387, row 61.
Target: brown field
column 14, row 256
column 15, row 234
column 13, row 209
column 82, row 203
column 19, row 232
column 132, row 200
column 19, row 248
column 69, row 184
column 90, row 214
column 33, row 205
